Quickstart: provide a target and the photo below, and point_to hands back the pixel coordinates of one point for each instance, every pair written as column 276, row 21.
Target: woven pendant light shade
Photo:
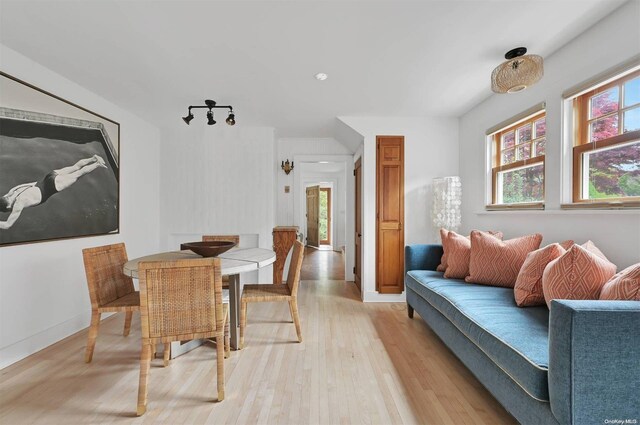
column 517, row 73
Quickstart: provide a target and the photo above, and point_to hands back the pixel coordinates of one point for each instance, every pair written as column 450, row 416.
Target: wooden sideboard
column 283, row 239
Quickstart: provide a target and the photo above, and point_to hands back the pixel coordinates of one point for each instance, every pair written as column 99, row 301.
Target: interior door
column 390, row 214
column 357, row 270
column 313, row 216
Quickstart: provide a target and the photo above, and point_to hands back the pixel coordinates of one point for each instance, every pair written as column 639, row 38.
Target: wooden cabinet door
column 313, row 216
column 357, row 270
column 390, row 214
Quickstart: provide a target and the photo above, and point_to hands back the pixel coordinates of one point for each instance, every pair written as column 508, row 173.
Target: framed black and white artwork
column 59, row 167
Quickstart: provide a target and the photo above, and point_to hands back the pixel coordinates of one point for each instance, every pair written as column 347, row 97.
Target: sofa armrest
column 422, row 257
column 594, row 361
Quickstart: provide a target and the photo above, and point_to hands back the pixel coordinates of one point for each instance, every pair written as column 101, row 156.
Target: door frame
column 302, row 177
column 357, row 214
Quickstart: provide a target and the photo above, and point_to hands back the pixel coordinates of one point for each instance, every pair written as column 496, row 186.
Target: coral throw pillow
column 623, row 286
column 579, row 274
column 567, row 244
column 443, row 261
column 444, row 233
column 528, row 288
column 497, row 263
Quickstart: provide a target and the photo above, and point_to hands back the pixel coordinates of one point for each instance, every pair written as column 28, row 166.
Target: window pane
column 521, row 185
column 539, row 146
column 508, row 140
column 604, row 128
column 632, row 92
column 523, row 151
column 541, row 127
column 632, row 119
column 508, row 156
column 524, row 133
column 612, row 172
column 604, row 102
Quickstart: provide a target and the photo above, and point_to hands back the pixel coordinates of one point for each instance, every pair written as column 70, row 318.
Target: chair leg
column 127, row 322
column 153, row 351
column 291, row 311
column 145, row 363
column 293, row 305
column 93, row 335
column 167, row 353
column 243, row 322
column 227, row 340
column 220, row 361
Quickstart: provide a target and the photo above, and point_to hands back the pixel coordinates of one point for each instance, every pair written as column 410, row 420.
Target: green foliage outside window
column 324, row 215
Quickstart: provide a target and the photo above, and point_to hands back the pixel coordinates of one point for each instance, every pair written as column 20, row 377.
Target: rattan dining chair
column 276, row 292
column 222, row 238
column 110, row 290
column 180, row 300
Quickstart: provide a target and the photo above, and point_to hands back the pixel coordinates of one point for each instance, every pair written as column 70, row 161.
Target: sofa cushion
column 496, row 262
column 579, row 274
column 528, row 288
column 444, row 237
column 515, row 339
column 623, row 286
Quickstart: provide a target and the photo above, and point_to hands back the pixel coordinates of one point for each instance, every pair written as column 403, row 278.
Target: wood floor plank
column 359, row 363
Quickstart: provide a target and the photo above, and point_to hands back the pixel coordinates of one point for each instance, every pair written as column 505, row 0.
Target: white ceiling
column 395, row 58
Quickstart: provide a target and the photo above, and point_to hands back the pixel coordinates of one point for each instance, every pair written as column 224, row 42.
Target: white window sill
column 562, row 212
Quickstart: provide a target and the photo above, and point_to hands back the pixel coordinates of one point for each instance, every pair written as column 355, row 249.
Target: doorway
column 319, row 215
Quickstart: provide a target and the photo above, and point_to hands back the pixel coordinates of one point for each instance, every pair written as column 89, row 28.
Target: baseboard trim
column 376, row 297
column 19, row 350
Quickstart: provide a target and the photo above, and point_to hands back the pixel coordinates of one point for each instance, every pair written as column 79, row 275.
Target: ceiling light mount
column 518, row 72
column 211, row 105
column 321, row 76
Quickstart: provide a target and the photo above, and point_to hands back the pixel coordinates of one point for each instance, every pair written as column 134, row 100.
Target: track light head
column 210, row 119
column 231, row 119
column 188, row 118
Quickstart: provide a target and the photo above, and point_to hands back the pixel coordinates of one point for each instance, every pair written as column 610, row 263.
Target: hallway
column 322, row 265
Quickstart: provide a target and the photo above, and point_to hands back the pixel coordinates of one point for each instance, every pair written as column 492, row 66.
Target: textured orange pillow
column 495, row 262
column 444, row 233
column 443, row 261
column 528, row 288
column 567, row 244
column 579, row 274
column 623, row 286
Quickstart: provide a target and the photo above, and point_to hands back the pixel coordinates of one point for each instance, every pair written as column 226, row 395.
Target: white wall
column 218, row 180
column 613, row 40
column 431, row 150
column 43, row 291
column 289, row 148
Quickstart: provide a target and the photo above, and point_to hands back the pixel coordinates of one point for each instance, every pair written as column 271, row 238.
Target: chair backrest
column 293, row 277
column 105, row 278
column 180, row 300
column 222, row 238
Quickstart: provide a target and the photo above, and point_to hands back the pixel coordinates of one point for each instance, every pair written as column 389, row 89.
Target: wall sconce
column 210, row 104
column 287, row 167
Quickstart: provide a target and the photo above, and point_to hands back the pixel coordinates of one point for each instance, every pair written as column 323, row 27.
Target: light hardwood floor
column 359, row 363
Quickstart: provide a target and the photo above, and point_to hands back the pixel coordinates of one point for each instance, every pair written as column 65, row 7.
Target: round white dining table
column 232, row 263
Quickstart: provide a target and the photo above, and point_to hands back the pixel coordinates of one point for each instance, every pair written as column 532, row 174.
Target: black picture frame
column 59, row 167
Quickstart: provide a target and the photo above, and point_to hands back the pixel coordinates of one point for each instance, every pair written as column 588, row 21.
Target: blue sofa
column 578, row 363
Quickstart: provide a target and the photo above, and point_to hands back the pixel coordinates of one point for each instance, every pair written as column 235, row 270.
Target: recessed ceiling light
column 321, row 76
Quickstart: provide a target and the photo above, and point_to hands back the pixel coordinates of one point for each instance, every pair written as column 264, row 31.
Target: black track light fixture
column 210, row 105
column 188, row 118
